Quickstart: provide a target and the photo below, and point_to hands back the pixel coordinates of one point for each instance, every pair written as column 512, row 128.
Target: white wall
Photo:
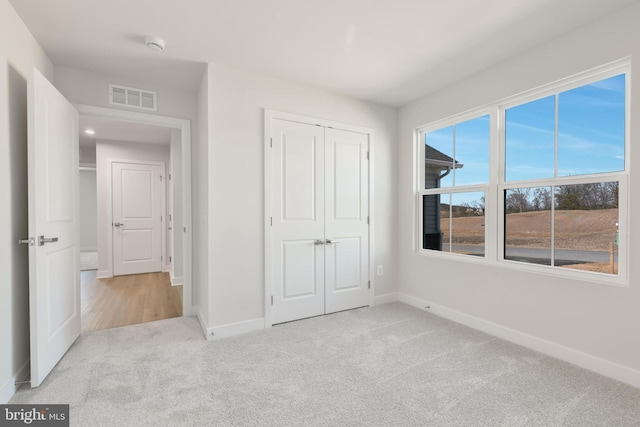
column 175, row 169
column 200, row 188
column 88, row 155
column 236, row 191
column 589, row 323
column 88, row 210
column 105, row 152
column 22, row 53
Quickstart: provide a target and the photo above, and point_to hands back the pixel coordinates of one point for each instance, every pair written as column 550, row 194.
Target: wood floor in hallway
column 127, row 300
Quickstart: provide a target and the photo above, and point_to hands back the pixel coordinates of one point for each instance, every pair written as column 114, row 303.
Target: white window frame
column 495, row 188
column 420, row 134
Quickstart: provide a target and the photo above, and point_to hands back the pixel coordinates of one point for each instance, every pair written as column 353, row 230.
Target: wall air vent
column 133, row 98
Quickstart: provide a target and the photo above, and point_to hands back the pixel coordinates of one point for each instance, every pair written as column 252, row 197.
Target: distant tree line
column 602, row 195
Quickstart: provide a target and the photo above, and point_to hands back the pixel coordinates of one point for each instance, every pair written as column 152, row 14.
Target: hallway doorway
column 127, row 300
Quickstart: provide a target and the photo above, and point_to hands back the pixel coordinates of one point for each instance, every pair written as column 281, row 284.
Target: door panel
column 346, row 222
column 298, row 221
column 299, row 178
column 54, row 279
column 137, row 223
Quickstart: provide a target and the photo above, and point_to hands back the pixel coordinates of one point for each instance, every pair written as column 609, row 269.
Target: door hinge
column 271, row 142
column 170, row 258
column 184, row 229
column 271, row 299
column 367, row 155
column 160, row 218
column 160, row 257
column 169, row 217
column 160, row 178
column 369, row 284
column 367, row 219
column 169, row 177
column 272, row 221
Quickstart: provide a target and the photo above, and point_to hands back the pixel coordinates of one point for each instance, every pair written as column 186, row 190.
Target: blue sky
column 590, row 137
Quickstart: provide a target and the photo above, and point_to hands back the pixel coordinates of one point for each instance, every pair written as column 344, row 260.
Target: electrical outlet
column 380, row 270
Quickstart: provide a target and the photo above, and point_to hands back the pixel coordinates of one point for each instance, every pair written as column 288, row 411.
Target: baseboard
column 576, row 357
column 203, row 323
column 232, row 329
column 176, row 281
column 89, row 249
column 386, row 298
column 10, row 387
column 103, row 274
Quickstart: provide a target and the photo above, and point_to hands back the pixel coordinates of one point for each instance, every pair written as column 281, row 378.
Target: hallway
column 127, row 300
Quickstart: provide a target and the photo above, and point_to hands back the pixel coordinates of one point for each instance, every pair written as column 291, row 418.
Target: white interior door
column 137, row 218
column 298, row 221
column 346, row 220
column 320, row 230
column 54, row 273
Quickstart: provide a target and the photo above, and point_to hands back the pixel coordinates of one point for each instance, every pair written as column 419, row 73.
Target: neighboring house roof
column 438, row 158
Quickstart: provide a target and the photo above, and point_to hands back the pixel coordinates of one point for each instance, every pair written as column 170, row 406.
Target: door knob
column 118, row 224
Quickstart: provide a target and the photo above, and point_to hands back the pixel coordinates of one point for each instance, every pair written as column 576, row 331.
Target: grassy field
column 593, row 230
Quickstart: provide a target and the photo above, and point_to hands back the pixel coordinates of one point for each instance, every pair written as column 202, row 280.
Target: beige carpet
column 390, row 365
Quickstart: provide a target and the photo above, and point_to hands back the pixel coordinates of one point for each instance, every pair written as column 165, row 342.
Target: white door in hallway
column 54, row 273
column 319, row 232
column 137, row 217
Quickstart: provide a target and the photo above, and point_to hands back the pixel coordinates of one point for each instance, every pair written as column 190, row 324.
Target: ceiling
column 386, row 51
column 115, row 130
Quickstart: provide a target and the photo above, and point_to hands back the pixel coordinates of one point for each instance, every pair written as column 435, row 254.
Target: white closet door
column 298, row 221
column 346, row 220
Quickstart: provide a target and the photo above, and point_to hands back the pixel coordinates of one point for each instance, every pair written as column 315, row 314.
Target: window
column 551, row 163
column 572, row 145
column 455, row 169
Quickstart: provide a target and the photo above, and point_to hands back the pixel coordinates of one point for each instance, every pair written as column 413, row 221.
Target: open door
column 54, row 273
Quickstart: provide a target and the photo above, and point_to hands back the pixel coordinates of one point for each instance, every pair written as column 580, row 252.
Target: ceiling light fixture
column 154, row 43
column 90, row 131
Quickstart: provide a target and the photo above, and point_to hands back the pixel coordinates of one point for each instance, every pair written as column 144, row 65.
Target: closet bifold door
column 297, row 239
column 346, row 220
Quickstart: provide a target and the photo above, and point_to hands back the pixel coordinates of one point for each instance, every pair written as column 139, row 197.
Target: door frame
column 163, row 208
column 269, row 116
column 184, row 125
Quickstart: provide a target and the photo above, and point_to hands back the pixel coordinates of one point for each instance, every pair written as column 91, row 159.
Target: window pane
column 591, row 128
column 530, row 140
column 586, row 220
column 528, row 225
column 432, row 236
column 445, row 224
column 472, row 152
column 467, row 223
column 439, row 158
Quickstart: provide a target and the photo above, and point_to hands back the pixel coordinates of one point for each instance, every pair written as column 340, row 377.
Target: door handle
column 42, row 240
column 318, row 242
column 27, row 241
column 118, row 224
column 329, row 242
